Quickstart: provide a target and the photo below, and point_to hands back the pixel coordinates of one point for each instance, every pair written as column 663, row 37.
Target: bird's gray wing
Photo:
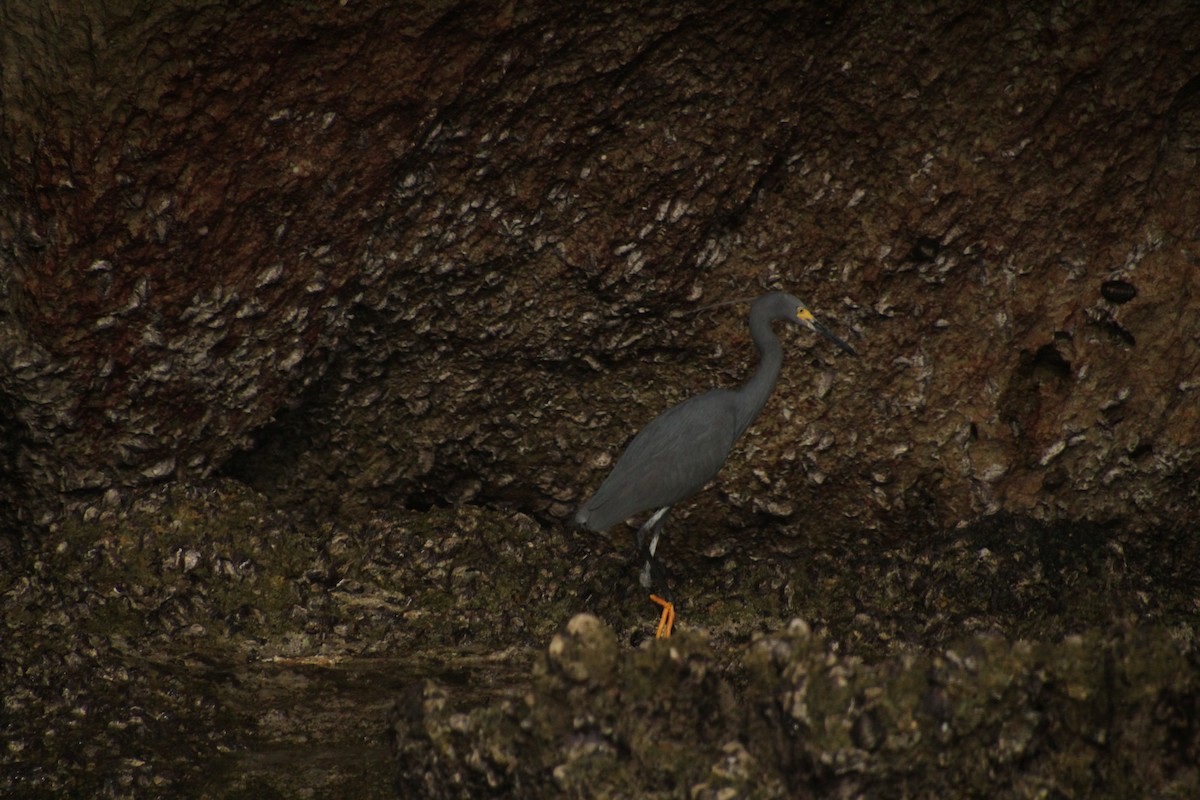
column 669, row 460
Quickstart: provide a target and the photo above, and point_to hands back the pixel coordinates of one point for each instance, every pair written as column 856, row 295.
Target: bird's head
column 802, row 316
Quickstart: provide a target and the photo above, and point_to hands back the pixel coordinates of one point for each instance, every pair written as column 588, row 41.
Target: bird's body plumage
column 680, row 451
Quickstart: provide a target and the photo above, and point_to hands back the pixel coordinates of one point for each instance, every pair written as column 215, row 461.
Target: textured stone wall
column 404, row 256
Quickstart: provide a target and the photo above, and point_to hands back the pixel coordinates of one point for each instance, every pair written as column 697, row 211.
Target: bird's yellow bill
column 668, row 617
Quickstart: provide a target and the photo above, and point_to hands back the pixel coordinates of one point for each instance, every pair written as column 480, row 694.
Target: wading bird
column 683, row 448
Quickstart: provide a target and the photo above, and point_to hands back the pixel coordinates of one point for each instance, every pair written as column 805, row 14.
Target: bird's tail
column 579, row 520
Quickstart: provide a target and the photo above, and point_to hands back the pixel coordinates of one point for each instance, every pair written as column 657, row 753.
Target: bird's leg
column 662, row 597
column 668, row 617
column 650, row 525
column 654, row 573
column 652, row 570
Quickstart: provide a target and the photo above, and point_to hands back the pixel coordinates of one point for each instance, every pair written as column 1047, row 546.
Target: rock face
column 412, row 255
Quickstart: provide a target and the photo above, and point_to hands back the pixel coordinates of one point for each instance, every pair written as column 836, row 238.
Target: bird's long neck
column 755, row 391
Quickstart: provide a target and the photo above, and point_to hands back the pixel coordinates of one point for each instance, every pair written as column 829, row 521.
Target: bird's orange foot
column 668, row 617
